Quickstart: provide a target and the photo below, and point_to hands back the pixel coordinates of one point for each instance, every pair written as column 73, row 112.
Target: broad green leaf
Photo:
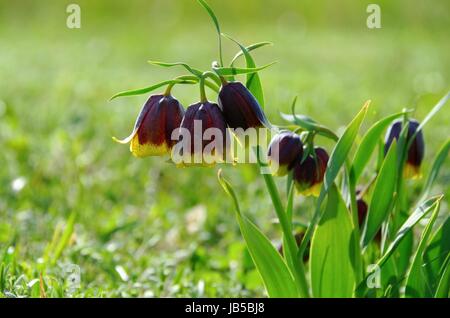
column 382, row 197
column 226, row 71
column 435, row 254
column 369, row 142
column 274, row 272
column 335, row 163
column 249, row 49
column 332, row 245
column 436, row 167
column 253, row 81
column 185, row 65
column 148, row 89
column 415, row 217
column 443, row 288
column 416, row 277
column 216, row 24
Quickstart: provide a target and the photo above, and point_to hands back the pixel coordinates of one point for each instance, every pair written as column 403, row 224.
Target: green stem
column 202, row 90
column 296, row 268
column 213, row 76
column 168, row 90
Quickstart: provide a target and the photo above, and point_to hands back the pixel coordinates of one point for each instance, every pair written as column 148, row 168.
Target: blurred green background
column 143, row 227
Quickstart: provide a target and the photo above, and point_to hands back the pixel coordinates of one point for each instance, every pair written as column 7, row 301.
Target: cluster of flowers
column 163, row 117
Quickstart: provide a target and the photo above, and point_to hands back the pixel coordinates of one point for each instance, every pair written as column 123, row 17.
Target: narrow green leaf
column 431, row 114
column 416, row 277
column 253, row 81
column 343, row 146
column 216, row 24
column 415, row 217
column 382, row 197
column 436, row 167
column 194, row 71
column 443, row 288
column 435, row 254
column 227, row 71
column 249, row 49
column 369, row 142
column 274, row 272
column 309, row 124
column 148, row 89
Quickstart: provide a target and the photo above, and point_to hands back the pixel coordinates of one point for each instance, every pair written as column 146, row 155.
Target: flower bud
column 284, row 150
column 152, row 132
column 204, row 135
column 308, row 175
column 416, row 150
column 240, row 108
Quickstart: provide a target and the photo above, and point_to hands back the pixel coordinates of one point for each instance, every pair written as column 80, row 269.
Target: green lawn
column 141, row 226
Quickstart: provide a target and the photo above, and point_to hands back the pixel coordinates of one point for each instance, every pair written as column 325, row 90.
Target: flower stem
column 202, row 90
column 296, row 268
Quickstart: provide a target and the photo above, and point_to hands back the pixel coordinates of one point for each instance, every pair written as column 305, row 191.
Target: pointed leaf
column 415, row 217
column 277, row 278
column 443, row 288
column 382, row 197
column 416, row 277
column 253, row 81
column 216, row 24
column 249, row 49
column 435, row 254
column 369, row 142
column 149, row 89
column 436, row 167
column 186, row 66
column 226, row 71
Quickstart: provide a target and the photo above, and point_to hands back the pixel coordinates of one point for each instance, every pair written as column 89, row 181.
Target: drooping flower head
column 240, row 108
column 203, row 136
column 415, row 152
column 152, row 132
column 284, row 150
column 308, row 175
